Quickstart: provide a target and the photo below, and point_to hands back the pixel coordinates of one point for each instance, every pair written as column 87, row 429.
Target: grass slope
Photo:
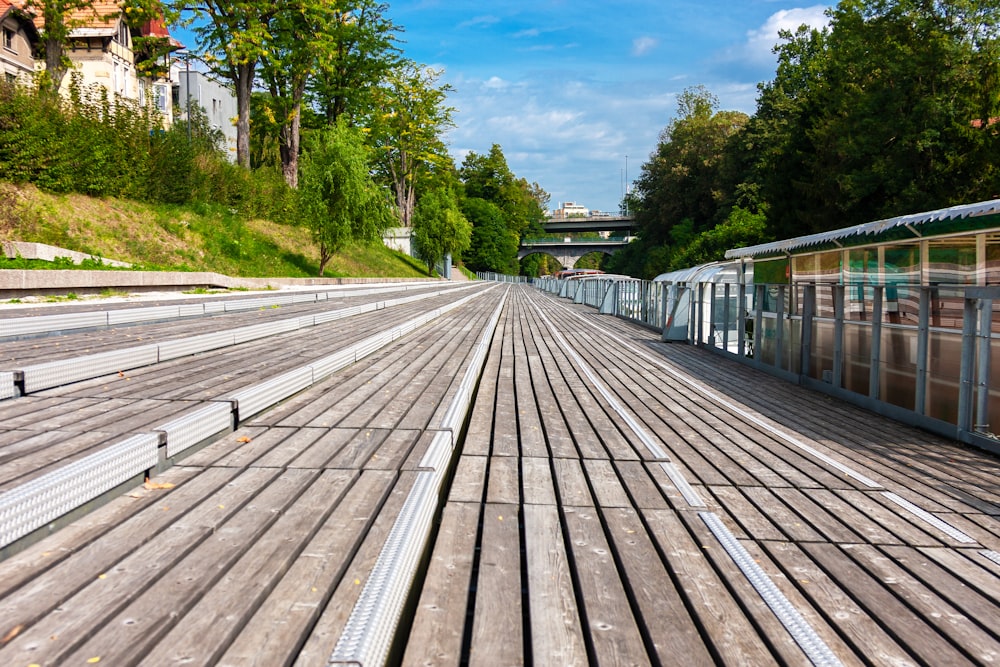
column 199, row 238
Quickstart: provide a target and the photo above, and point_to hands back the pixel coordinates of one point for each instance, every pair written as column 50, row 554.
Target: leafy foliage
column 338, row 199
column 439, row 228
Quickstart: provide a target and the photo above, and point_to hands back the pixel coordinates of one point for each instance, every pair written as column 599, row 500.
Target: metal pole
column 966, row 369
column 725, row 319
column 779, row 331
column 983, row 372
column 838, row 336
column 874, row 370
column 758, row 332
column 187, row 91
column 923, row 334
column 808, row 312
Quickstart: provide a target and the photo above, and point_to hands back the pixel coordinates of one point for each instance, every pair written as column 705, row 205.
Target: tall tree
column 407, row 124
column 362, row 53
column 490, row 178
column 338, row 198
column 233, row 36
column 682, row 178
column 439, row 228
column 300, row 37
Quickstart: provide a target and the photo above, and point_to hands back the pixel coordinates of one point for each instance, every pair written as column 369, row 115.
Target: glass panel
column 771, row 272
column 992, row 425
column 993, row 259
column 824, row 301
column 857, row 357
column 821, row 267
column 951, row 261
column 821, row 359
column 944, row 368
column 898, row 366
column 902, row 265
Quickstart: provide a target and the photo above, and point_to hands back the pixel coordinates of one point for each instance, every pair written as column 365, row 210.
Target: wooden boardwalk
column 610, row 500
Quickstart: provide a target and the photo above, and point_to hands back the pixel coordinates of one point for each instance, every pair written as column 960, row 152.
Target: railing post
column 983, row 371
column 758, row 320
column 779, row 331
column 806, row 342
column 725, row 318
column 923, row 336
column 838, row 335
column 698, row 311
column 712, row 314
column 966, row 379
column 874, row 371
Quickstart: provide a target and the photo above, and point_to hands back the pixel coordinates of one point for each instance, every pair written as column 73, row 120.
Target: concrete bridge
column 569, row 252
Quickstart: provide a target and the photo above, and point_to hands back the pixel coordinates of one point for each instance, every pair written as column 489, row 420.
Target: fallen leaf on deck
column 13, row 632
column 94, row 660
column 121, row 374
column 158, row 485
column 243, row 439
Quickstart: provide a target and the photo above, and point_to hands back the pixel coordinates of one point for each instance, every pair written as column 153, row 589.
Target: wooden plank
column 641, row 486
column 978, row 644
column 747, row 520
column 672, row 634
column 554, row 619
column 469, row 483
column 866, row 641
column 906, row 627
column 792, row 524
column 88, row 601
column 273, row 635
column 537, row 481
column 325, row 632
column 497, row 624
column 357, row 452
column 203, row 634
column 73, row 539
column 609, row 620
column 237, row 449
column 603, row 478
column 401, row 450
column 322, row 451
column 504, row 486
column 439, row 622
column 571, row 483
column 975, row 572
column 828, row 525
column 728, row 631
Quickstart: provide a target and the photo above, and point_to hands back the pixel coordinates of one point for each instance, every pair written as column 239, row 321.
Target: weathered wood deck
column 613, row 500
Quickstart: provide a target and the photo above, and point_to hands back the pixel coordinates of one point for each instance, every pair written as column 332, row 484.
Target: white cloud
column 761, row 41
column 480, row 21
column 643, row 45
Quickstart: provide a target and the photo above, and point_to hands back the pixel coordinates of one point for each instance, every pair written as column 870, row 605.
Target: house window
column 8, row 39
column 122, row 33
column 160, row 97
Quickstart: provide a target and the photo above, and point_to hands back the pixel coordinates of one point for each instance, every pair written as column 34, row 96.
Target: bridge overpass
column 476, row 474
column 624, row 223
column 567, row 251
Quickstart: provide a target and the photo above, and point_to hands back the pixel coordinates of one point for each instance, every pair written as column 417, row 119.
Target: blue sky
column 569, row 88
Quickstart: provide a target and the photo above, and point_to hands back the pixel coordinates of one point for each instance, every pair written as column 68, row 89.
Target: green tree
column 683, row 177
column 494, row 245
column 364, row 52
column 406, row 127
column 233, row 37
column 489, row 177
column 439, row 228
column 337, row 197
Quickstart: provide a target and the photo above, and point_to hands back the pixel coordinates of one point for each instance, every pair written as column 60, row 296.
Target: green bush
column 89, row 145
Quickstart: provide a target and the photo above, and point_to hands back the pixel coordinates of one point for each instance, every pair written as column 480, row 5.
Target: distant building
column 570, row 210
column 216, row 98
column 19, row 43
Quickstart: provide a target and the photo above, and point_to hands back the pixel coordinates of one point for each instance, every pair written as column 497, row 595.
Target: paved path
column 611, row 500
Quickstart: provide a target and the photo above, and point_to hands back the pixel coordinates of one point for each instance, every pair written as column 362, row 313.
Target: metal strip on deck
column 811, row 644
column 25, row 326
column 256, row 331
column 46, row 498
column 131, row 315
column 261, row 396
column 190, row 429
column 182, row 347
column 7, row 387
column 929, row 518
column 65, row 371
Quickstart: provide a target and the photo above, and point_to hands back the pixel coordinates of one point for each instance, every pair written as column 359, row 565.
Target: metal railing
column 924, row 355
column 500, row 277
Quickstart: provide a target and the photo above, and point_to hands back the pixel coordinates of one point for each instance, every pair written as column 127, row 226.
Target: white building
column 216, row 98
column 570, row 210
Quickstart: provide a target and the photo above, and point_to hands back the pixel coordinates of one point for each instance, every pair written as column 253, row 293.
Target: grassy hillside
column 199, row 238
